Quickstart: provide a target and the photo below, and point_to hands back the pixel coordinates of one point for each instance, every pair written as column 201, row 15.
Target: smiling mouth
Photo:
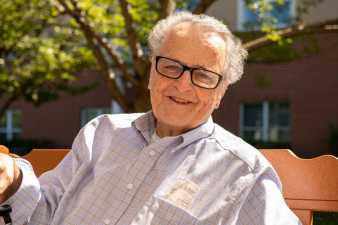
column 179, row 100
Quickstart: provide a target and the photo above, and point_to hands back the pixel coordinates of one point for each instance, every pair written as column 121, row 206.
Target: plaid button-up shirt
column 116, row 175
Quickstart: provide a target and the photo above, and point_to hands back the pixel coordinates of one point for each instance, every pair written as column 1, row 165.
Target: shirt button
column 106, row 221
column 151, row 153
column 130, row 186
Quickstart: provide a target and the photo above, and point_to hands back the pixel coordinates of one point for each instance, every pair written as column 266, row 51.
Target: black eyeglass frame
column 190, row 69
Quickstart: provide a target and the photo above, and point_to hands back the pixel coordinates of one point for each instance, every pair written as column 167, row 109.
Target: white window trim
column 265, row 121
column 265, row 135
column 9, row 130
column 115, row 107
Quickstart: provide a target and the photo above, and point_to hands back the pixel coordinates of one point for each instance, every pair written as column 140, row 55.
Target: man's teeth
column 179, row 100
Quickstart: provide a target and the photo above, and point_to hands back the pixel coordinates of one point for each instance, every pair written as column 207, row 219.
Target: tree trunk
column 7, row 104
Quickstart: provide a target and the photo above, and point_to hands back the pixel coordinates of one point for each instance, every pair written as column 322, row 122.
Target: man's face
column 177, row 104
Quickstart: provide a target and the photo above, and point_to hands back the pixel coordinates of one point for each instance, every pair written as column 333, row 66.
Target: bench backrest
column 43, row 160
column 308, row 184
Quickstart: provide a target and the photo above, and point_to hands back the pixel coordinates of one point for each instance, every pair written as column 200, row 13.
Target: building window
column 249, row 20
column 266, row 121
column 10, row 125
column 90, row 113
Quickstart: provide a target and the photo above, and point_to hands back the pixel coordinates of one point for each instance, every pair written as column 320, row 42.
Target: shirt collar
column 202, row 131
column 146, row 125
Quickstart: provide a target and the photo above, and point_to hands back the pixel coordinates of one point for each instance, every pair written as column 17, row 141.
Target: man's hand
column 10, row 177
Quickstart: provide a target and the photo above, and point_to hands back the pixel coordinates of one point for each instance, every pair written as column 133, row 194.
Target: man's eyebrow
column 200, row 66
column 193, row 65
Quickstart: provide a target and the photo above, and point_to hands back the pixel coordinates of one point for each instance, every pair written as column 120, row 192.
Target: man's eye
column 202, row 76
column 172, row 69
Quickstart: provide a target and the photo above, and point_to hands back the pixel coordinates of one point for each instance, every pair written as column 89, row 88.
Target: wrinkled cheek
column 212, row 103
column 205, row 107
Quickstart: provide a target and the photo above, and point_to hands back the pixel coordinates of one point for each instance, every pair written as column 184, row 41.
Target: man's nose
column 184, row 83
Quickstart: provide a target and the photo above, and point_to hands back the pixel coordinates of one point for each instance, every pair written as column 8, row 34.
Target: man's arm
column 10, row 177
column 36, row 199
column 265, row 204
column 18, row 179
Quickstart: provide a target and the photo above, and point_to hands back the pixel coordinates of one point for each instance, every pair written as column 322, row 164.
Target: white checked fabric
column 115, row 175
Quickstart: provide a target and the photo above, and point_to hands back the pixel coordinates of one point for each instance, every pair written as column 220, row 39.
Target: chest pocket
column 170, row 214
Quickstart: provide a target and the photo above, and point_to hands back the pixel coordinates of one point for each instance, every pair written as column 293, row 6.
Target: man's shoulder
column 115, row 120
column 239, row 148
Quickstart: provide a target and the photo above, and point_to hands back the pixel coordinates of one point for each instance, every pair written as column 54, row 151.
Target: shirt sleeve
column 37, row 199
column 25, row 200
column 265, row 204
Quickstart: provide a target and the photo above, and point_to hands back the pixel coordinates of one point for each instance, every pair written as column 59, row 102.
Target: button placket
column 141, row 168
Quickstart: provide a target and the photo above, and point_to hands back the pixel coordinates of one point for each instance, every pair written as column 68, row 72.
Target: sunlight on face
column 178, row 105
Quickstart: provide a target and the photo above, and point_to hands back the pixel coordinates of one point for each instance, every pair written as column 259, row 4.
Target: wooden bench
column 308, row 184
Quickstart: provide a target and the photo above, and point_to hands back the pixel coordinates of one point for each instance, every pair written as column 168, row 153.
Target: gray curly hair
column 236, row 54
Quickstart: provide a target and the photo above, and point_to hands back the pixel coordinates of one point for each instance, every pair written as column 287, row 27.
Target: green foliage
column 43, row 43
column 267, row 22
column 37, row 51
column 288, row 50
column 275, row 53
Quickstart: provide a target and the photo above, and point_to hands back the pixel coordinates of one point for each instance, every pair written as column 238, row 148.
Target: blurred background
column 64, row 62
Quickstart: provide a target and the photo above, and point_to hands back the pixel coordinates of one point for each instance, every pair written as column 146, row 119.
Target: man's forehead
column 189, row 30
column 196, row 39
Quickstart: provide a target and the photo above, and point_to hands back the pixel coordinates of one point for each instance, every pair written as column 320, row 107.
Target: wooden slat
column 306, row 216
column 308, row 184
column 307, row 179
column 45, row 159
column 314, row 205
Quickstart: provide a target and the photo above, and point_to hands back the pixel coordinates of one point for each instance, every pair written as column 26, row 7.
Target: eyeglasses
column 174, row 69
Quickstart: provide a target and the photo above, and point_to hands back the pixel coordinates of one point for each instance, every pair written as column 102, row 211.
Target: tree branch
column 7, row 104
column 102, row 63
column 325, row 27
column 167, row 7
column 134, row 45
column 203, row 6
column 76, row 14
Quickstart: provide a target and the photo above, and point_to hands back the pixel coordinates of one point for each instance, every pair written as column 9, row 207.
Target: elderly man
column 170, row 166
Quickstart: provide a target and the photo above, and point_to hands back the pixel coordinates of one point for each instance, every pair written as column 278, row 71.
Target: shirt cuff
column 25, row 200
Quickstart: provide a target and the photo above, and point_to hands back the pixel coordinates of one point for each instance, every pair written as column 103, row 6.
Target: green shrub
column 325, row 218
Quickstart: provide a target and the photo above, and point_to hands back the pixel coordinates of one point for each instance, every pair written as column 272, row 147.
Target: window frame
column 265, row 127
column 9, row 130
column 241, row 14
